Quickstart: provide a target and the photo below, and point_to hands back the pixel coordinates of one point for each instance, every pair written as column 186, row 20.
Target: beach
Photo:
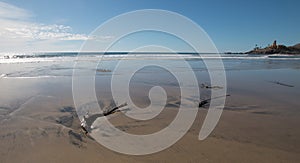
column 259, row 123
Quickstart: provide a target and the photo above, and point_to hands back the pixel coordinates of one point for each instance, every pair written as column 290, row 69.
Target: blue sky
column 61, row 25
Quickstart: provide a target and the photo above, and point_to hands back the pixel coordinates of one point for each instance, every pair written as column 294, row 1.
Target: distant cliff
column 276, row 49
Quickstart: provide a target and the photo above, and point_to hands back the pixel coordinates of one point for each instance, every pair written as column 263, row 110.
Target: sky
column 63, row 25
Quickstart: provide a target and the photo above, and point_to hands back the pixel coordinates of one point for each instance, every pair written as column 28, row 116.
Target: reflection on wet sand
column 260, row 122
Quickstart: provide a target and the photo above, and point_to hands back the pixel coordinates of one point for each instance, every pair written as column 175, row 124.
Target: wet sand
column 260, row 122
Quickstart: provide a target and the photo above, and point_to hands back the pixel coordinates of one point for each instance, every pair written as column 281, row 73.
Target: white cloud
column 41, row 32
column 18, row 33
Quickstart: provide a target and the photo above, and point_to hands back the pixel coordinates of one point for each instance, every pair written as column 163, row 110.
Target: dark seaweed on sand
column 75, row 139
column 67, row 109
column 66, row 120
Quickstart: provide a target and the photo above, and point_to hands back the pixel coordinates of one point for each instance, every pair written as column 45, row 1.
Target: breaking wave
column 6, row 58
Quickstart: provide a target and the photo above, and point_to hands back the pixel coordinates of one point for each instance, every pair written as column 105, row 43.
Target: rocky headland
column 276, row 49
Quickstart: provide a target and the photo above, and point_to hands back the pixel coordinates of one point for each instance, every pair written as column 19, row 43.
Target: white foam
column 3, row 75
column 96, row 58
column 32, row 77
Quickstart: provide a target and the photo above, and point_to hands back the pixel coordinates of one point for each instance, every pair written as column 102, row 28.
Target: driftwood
column 90, row 119
column 113, row 110
column 279, row 83
column 210, row 87
column 202, row 103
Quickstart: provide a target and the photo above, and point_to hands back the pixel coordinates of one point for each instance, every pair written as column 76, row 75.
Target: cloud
column 19, row 33
column 41, row 32
column 8, row 11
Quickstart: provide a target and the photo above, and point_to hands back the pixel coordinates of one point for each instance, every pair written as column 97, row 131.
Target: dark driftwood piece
column 210, row 87
column 90, row 120
column 113, row 110
column 279, row 83
column 202, row 103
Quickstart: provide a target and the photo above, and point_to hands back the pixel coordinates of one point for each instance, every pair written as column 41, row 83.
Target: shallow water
column 262, row 109
column 257, row 77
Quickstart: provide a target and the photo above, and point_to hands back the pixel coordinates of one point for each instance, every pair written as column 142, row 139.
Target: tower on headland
column 274, row 45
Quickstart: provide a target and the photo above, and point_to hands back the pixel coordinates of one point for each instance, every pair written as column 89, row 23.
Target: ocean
column 52, row 63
